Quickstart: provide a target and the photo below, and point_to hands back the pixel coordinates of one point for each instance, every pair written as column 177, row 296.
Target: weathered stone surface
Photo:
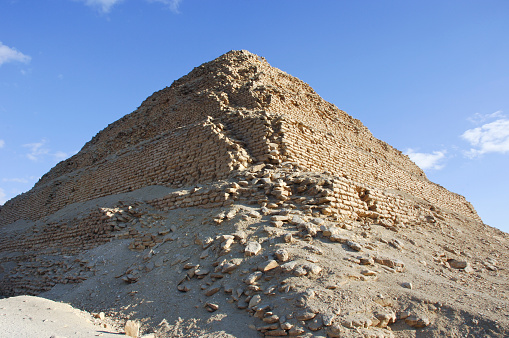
column 354, row 245
column 296, row 330
column 417, row 321
column 132, row 328
column 396, row 264
column 268, row 265
column 255, row 300
column 282, row 255
column 276, row 333
column 305, row 315
column 211, row 307
column 368, row 273
column 252, row 248
column 253, row 277
column 212, row 290
column 457, row 264
column 407, row 285
column 271, row 319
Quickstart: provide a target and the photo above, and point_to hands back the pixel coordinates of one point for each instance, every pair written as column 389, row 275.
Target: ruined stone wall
column 34, row 261
column 199, row 153
column 43, row 255
column 322, row 151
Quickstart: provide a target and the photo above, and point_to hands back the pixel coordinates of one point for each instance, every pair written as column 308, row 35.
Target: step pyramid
column 255, row 198
column 226, row 115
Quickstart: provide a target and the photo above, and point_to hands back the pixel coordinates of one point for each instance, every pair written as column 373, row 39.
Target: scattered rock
column 368, row 273
column 456, row 264
column 183, row 288
column 132, row 328
column 305, row 315
column 313, row 269
column 395, row 264
column 211, row 307
column 271, row 319
column 212, row 290
column 396, row 243
column 282, row 255
column 300, row 270
column 316, row 323
column 276, row 333
column 366, row 261
column 99, row 315
column 407, row 285
column 268, row 265
column 255, row 300
column 354, row 245
column 296, row 331
column 288, row 238
column 252, row 248
column 286, row 326
column 253, row 277
column 417, row 321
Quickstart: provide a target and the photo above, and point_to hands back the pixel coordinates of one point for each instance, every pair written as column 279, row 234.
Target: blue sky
column 431, row 78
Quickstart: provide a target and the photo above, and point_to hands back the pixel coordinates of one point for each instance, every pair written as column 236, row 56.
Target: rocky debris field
column 281, row 267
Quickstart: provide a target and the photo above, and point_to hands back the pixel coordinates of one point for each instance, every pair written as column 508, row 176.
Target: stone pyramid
column 226, row 115
column 296, row 209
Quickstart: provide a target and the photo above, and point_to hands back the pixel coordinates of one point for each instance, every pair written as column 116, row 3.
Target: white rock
column 252, row 248
column 132, row 328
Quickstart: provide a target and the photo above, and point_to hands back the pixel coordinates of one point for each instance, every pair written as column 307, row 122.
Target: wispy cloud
column 104, row 6
column 37, row 150
column 8, row 54
column 492, row 137
column 2, row 144
column 3, row 196
column 40, row 150
column 478, row 118
column 15, row 180
column 60, row 155
column 173, row 5
column 425, row 161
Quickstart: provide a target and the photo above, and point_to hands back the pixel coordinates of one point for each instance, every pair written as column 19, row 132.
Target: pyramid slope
column 225, row 115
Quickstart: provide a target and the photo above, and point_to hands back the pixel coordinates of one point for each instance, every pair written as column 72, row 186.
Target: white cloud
column 3, row 196
column 103, row 5
column 491, row 137
column 427, row 160
column 8, row 54
column 40, row 150
column 478, row 118
column 37, row 150
column 2, row 143
column 60, row 155
column 173, row 5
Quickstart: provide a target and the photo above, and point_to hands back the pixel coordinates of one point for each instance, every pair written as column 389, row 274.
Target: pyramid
column 284, row 197
column 226, row 115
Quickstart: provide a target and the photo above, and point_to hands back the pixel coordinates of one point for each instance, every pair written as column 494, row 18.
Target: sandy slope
column 28, row 316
